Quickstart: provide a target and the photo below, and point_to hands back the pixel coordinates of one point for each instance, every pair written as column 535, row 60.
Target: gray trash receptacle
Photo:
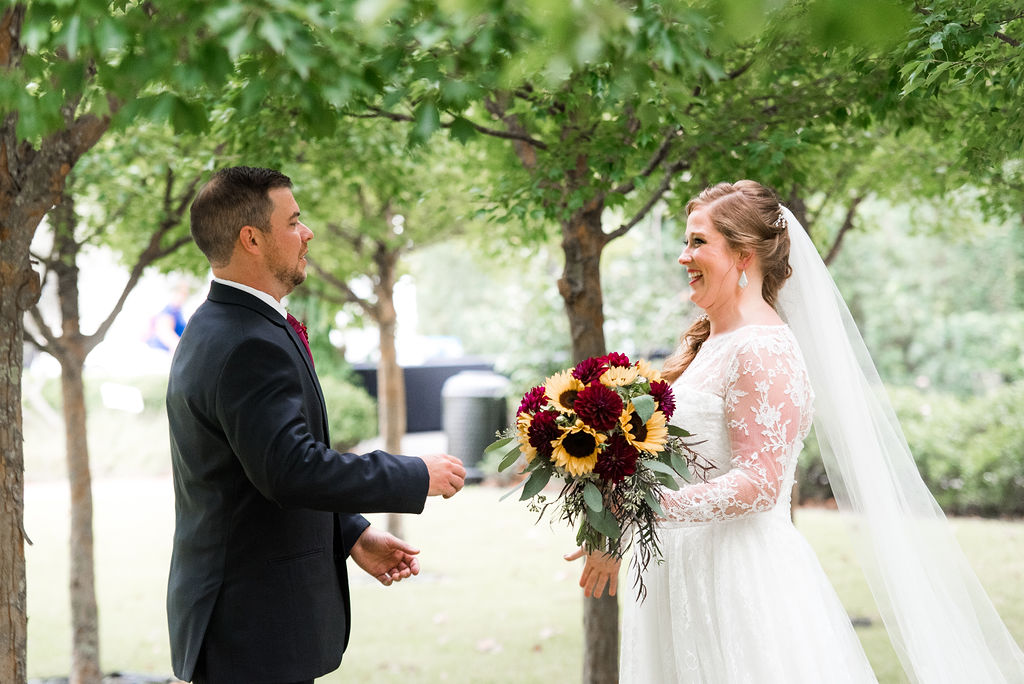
column 472, row 411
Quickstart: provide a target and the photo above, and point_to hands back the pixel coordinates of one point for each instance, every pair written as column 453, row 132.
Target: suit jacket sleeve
column 262, row 405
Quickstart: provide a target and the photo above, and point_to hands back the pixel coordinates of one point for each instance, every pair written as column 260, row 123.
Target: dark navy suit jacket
column 266, row 513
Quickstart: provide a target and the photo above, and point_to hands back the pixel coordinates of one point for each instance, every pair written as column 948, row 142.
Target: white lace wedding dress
column 740, row 596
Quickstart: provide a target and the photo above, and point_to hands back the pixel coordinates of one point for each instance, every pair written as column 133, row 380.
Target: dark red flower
column 616, row 359
column 598, row 407
column 617, row 460
column 533, row 401
column 662, row 393
column 589, row 370
column 542, row 431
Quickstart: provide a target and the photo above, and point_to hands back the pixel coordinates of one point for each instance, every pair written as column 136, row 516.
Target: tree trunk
column 580, row 287
column 15, row 274
column 31, row 181
column 390, row 379
column 85, row 653
column 72, row 351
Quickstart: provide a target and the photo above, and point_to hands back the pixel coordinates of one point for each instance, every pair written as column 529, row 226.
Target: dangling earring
column 743, row 279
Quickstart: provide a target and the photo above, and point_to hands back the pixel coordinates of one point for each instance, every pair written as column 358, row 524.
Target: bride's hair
column 748, row 216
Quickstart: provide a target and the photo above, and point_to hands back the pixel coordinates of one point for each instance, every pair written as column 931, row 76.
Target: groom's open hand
column 384, row 556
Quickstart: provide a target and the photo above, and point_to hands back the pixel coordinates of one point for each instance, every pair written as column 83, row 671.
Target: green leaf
column 188, row 117
column 428, row 120
column 538, row 480
column 273, row 33
column 644, row 406
column 677, row 431
column 509, row 454
column 497, row 445
column 680, row 466
column 605, row 523
column 658, row 467
column 592, row 495
column 655, row 505
column 667, row 481
column 462, row 130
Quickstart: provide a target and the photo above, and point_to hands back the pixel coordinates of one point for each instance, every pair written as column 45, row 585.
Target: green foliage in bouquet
column 602, row 428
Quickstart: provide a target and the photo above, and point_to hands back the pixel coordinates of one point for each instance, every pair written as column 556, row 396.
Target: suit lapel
column 225, row 294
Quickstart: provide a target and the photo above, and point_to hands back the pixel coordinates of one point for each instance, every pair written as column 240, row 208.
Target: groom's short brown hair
column 234, row 197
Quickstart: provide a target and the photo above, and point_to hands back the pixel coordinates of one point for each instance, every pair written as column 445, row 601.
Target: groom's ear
column 249, row 240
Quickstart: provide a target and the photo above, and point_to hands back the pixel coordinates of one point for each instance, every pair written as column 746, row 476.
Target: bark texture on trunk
column 31, row 181
column 580, row 286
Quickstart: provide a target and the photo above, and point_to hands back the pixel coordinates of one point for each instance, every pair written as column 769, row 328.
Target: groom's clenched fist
column 447, row 475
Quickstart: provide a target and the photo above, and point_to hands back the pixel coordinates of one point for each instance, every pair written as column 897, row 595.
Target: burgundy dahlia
column 662, row 393
column 617, row 461
column 598, row 407
column 589, row 370
column 616, row 359
column 542, row 431
column 533, row 401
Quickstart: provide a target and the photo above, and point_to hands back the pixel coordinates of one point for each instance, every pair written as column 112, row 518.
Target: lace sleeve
column 765, row 395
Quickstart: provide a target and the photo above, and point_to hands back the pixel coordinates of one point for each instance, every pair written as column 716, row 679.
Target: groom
column 266, row 512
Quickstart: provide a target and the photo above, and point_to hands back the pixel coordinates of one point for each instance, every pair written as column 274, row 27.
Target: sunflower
column 561, row 390
column 648, row 371
column 650, row 436
column 523, row 422
column 619, row 376
column 577, row 448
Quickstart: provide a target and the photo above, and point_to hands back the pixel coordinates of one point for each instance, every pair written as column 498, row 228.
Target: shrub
column 970, row 452
column 351, row 412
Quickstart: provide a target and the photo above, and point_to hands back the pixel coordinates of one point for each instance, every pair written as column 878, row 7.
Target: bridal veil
column 940, row 620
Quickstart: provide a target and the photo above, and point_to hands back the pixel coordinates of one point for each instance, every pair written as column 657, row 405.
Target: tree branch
column 342, row 287
column 657, row 158
column 851, row 211
column 52, row 343
column 493, row 132
column 174, row 210
column 666, row 183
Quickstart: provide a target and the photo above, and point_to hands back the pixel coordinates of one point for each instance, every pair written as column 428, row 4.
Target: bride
column 740, row 596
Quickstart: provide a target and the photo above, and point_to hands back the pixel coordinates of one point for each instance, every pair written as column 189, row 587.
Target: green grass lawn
column 495, row 602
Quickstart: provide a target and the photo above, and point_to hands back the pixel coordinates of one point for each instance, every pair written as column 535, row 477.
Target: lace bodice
column 747, row 395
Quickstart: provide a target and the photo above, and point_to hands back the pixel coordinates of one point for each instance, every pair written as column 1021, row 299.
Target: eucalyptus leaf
column 497, row 445
column 680, row 467
column 677, row 431
column 508, row 448
column 511, row 457
column 655, row 505
column 644, row 406
column 658, row 467
column 605, row 523
column 592, row 495
column 667, row 481
column 535, row 484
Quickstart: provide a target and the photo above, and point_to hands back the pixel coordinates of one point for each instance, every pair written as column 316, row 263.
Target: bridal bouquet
column 602, row 428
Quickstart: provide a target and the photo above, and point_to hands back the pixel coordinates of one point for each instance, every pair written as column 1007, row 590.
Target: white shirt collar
column 259, row 294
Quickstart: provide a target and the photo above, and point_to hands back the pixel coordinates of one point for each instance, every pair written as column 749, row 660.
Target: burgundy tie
column 300, row 330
